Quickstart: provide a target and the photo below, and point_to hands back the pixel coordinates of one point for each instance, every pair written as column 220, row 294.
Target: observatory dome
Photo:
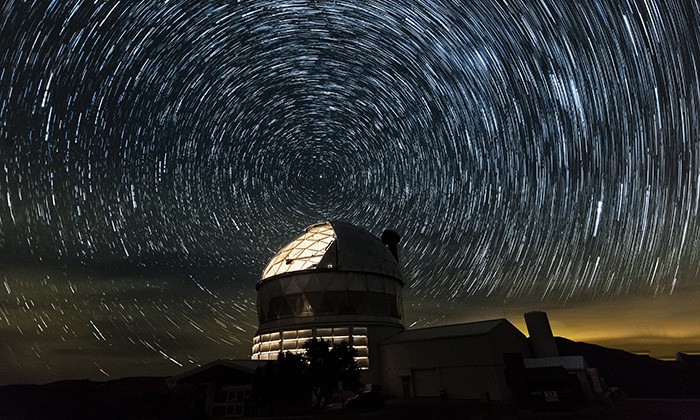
column 335, row 281
column 334, row 246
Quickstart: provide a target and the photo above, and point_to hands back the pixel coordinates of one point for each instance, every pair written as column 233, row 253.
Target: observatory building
column 336, row 282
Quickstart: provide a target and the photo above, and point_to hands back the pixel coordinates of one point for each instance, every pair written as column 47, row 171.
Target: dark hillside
column 121, row 398
column 638, row 376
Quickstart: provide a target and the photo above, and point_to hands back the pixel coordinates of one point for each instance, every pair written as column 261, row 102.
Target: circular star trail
column 156, row 154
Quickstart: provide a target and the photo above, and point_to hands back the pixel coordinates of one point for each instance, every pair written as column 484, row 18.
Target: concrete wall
column 375, row 334
column 505, row 338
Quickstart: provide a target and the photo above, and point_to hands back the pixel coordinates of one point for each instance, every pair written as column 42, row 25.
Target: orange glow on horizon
column 660, row 326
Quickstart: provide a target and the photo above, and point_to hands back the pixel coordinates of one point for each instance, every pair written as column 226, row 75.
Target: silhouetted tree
column 327, row 366
column 282, row 386
column 297, row 384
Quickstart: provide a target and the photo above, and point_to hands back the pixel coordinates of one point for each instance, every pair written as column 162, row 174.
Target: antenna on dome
column 391, row 239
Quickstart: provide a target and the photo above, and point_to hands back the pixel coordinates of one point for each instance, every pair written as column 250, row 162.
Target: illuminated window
column 268, row 346
column 303, row 253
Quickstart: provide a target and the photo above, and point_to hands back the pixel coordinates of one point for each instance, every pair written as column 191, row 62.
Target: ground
column 429, row 408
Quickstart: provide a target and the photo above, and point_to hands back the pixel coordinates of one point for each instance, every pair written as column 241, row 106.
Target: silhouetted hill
column 121, row 398
column 638, row 376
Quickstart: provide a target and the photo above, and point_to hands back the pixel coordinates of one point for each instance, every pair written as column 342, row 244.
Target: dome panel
column 302, row 253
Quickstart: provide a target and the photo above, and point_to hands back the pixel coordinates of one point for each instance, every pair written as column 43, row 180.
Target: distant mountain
column 638, row 376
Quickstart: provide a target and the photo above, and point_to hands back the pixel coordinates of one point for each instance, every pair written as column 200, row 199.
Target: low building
column 461, row 361
column 219, row 389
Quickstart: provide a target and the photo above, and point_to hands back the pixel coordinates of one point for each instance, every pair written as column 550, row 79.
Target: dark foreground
column 630, row 409
column 625, row 409
column 134, row 399
column 656, row 390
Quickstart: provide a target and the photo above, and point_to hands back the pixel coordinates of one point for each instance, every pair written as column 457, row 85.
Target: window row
column 268, row 346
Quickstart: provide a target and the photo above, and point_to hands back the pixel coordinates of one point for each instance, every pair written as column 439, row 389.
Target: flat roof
column 243, row 365
column 446, row 331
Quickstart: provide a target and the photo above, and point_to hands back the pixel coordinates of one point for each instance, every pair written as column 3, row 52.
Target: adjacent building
column 460, row 361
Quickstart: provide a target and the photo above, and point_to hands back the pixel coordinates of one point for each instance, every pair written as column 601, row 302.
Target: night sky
column 154, row 155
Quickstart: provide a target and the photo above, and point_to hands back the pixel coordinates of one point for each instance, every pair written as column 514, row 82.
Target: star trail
column 155, row 155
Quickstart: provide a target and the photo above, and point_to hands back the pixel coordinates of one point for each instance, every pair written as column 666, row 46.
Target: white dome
column 334, row 246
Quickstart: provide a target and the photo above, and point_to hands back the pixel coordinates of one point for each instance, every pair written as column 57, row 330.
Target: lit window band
column 268, row 346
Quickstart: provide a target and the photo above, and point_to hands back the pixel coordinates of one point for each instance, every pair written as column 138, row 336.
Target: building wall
column 215, row 392
column 303, row 303
column 375, row 335
column 298, row 300
column 505, row 338
column 469, row 367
